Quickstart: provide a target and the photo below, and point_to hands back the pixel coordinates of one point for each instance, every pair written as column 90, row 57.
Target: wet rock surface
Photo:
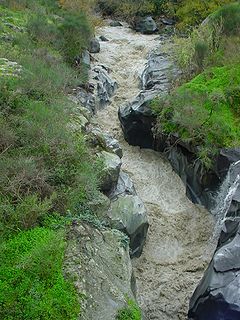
column 136, row 120
column 105, row 141
column 112, row 164
column 105, row 86
column 124, row 186
column 145, row 25
column 98, row 262
column 94, row 46
column 129, row 215
column 218, row 295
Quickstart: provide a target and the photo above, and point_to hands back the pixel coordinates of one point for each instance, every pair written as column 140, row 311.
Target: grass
column 204, row 112
column 131, row 312
column 32, row 285
column 48, row 174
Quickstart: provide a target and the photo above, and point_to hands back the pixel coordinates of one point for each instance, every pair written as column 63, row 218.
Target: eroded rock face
column 99, row 265
column 146, row 25
column 136, row 117
column 105, row 141
column 129, row 215
column 157, row 73
column 218, row 295
column 124, row 186
column 105, row 86
column 136, row 120
column 110, row 174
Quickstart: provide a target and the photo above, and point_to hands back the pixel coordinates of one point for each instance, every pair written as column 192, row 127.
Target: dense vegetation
column 187, row 13
column 47, row 172
column 205, row 111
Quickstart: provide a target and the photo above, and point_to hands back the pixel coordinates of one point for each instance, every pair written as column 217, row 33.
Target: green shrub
column 229, row 16
column 42, row 29
column 192, row 12
column 203, row 112
column 24, row 215
column 75, row 35
column 32, row 285
column 131, row 312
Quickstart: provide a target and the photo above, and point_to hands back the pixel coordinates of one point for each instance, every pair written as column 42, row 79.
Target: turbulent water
column 175, row 254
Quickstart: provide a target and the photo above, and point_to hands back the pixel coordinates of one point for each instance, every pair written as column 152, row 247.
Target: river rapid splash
column 175, row 256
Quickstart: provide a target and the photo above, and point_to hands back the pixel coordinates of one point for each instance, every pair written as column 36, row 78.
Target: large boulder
column 105, row 86
column 124, row 186
column 218, row 295
column 94, row 46
column 105, row 141
column 159, row 73
column 129, row 215
column 99, row 265
column 111, row 168
column 137, row 119
column 145, row 25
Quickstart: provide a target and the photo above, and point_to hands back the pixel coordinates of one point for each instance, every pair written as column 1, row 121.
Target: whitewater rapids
column 175, row 256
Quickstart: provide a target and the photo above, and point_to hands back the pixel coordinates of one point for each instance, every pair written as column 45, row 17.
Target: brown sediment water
column 175, row 256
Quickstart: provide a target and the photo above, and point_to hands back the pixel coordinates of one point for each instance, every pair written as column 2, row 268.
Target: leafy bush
column 193, row 12
column 32, row 285
column 131, row 312
column 76, row 34
column 128, row 9
column 229, row 16
column 203, row 112
column 42, row 30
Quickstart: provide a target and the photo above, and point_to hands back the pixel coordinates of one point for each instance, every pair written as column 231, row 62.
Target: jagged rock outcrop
column 145, row 25
column 157, row 73
column 136, row 120
column 105, row 86
column 218, row 295
column 129, row 215
column 105, row 141
column 98, row 262
column 136, row 117
column 124, row 186
column 112, row 164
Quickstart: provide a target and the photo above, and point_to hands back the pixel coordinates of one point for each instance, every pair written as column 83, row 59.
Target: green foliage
column 193, row 12
column 229, row 16
column 131, row 8
column 75, row 35
column 131, row 312
column 32, row 285
column 204, row 112
column 215, row 43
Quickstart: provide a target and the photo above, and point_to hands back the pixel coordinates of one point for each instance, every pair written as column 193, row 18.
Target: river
column 175, row 256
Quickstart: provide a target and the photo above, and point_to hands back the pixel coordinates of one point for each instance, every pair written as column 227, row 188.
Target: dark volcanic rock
column 105, row 86
column 115, row 24
column 157, row 73
column 124, row 186
column 128, row 214
column 145, row 25
column 102, row 38
column 218, row 294
column 137, row 120
column 105, row 141
column 94, row 46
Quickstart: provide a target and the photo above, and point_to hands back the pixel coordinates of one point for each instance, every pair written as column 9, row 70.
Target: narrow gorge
column 175, row 256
